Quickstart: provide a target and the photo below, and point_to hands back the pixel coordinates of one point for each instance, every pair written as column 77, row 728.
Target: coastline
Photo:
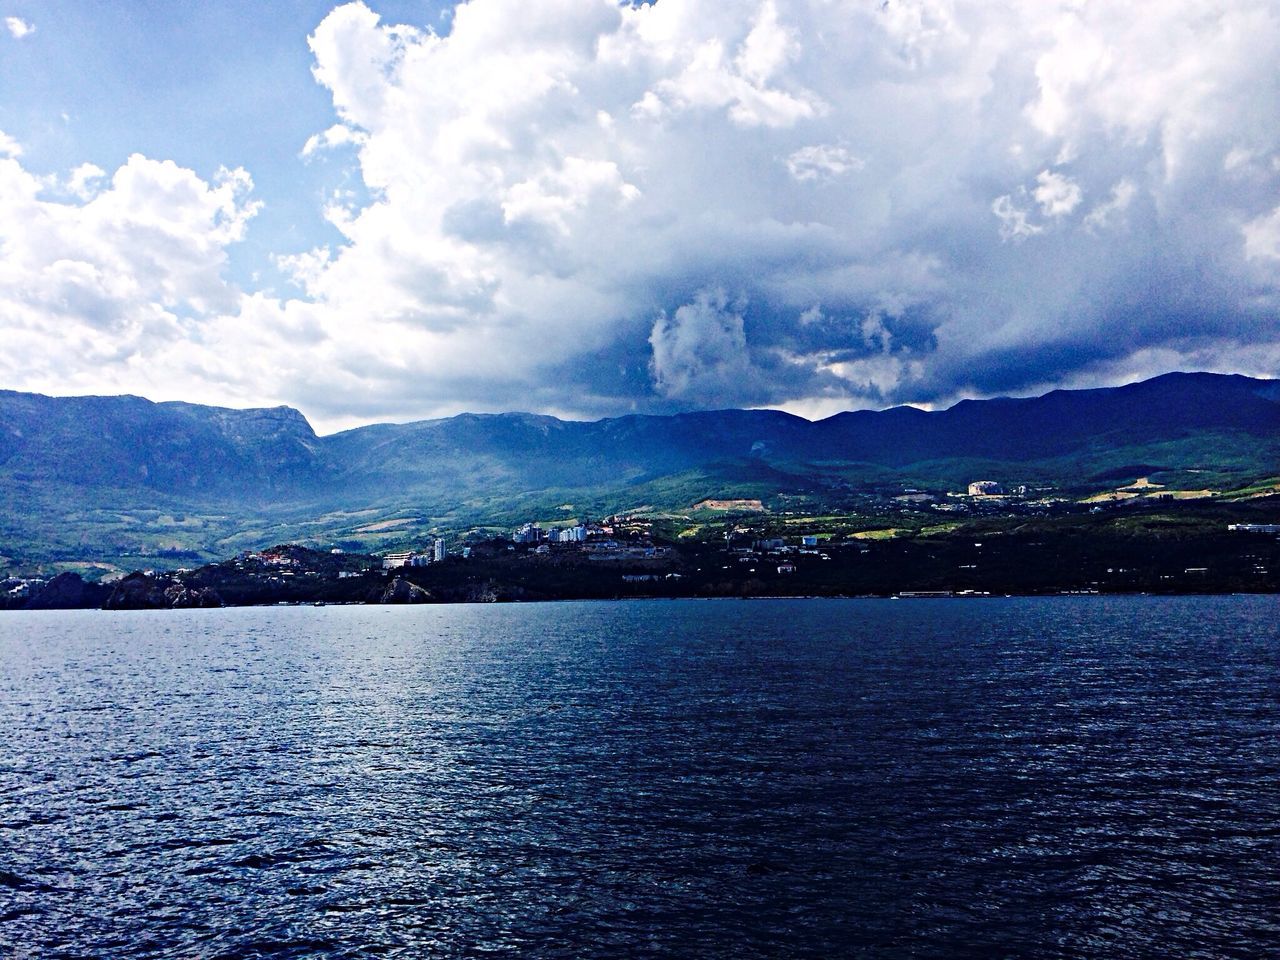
column 1044, row 595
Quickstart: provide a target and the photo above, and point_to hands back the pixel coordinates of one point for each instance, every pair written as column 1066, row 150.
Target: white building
column 438, row 551
column 985, row 488
column 529, row 533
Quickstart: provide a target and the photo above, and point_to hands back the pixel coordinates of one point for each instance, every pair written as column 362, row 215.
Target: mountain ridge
column 1268, row 388
column 86, row 474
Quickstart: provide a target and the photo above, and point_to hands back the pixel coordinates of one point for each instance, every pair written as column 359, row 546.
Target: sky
column 399, row 210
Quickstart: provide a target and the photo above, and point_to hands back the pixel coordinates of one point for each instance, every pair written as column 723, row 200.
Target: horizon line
column 922, row 407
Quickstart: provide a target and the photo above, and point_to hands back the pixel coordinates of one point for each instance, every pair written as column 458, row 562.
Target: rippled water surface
column 1042, row 778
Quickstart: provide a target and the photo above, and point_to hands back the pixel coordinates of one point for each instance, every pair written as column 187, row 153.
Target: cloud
column 555, row 195
column 338, row 135
column 575, row 186
column 1112, row 209
column 1262, row 237
column 1057, row 195
column 822, row 162
column 18, row 28
column 9, row 147
column 700, row 353
column 84, row 180
column 93, row 289
column 1014, row 222
column 592, row 207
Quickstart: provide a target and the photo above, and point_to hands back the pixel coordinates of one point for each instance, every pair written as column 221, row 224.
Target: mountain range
column 101, row 479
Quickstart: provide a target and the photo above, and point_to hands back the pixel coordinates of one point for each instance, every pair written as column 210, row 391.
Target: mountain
column 178, row 448
column 106, row 478
column 1171, row 407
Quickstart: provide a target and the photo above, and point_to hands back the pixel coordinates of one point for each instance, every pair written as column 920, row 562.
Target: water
column 1001, row 778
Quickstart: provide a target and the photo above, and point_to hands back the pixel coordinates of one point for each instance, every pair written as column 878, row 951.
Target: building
column 985, row 488
column 529, row 533
column 410, row 558
column 1254, row 527
column 809, row 540
column 438, row 551
column 16, row 589
column 786, row 568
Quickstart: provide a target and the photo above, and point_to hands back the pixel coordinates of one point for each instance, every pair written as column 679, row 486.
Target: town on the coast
column 1012, row 540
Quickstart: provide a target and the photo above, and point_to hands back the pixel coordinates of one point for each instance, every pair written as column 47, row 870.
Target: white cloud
column 338, row 135
column 9, row 147
column 92, row 289
column 1262, row 237
column 1014, row 224
column 84, row 180
column 555, row 195
column 1056, row 194
column 701, row 351
column 1112, row 209
column 605, row 206
column 18, row 28
column 718, row 72
column 305, row 269
column 822, row 162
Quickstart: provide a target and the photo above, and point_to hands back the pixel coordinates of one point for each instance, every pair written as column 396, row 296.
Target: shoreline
column 293, row 604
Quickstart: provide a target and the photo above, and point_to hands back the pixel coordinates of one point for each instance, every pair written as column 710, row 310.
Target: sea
column 950, row 778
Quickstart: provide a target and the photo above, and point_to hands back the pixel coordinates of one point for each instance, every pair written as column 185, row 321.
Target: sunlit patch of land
column 939, row 529
column 1265, row 488
column 755, row 506
column 1108, row 496
column 386, row 525
column 340, row 515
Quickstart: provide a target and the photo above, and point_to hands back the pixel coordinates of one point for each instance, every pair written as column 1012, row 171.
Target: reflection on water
column 1051, row 778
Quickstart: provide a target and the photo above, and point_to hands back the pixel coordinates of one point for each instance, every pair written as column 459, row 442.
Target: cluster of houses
column 413, row 558
column 595, row 541
column 285, row 561
column 773, row 550
column 994, row 488
column 592, row 541
column 19, row 588
column 743, row 541
column 532, row 533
